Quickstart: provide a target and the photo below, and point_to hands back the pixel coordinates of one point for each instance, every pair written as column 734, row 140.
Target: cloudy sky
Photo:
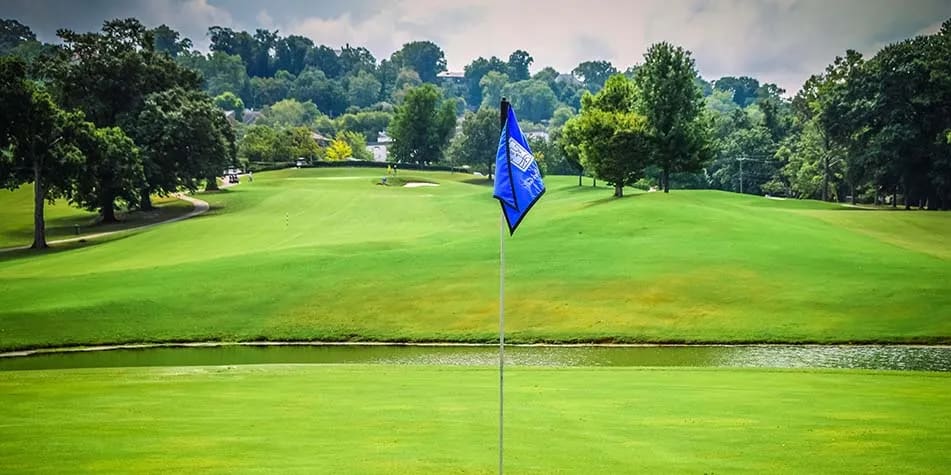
column 781, row 41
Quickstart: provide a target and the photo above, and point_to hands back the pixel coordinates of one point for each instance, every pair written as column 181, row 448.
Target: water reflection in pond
column 926, row 358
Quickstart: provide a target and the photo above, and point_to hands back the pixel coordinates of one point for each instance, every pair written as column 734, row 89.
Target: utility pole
column 741, row 160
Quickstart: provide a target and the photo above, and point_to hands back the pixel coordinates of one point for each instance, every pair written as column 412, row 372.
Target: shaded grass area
column 323, row 254
column 16, row 217
column 397, row 419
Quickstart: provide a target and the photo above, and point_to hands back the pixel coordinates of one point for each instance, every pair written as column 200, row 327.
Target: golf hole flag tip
column 518, row 183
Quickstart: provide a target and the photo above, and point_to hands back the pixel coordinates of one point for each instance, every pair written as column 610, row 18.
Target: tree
column 37, row 142
column 357, row 143
column 475, row 71
column 300, row 143
column 424, row 57
column 112, row 171
column 230, row 102
column 289, row 113
column 518, row 64
column 325, row 59
column 363, row 90
column 492, row 84
column 169, row 41
column 259, row 144
column 339, row 150
column 560, row 116
column 184, row 139
column 744, row 89
column 533, row 99
column 613, row 141
column 547, row 74
column 107, row 75
column 478, row 141
column 13, row 34
column 221, row 73
column 291, row 54
column 353, row 60
column 422, row 126
column 672, row 103
column 367, row 123
column 313, row 85
column 266, row 91
column 594, row 73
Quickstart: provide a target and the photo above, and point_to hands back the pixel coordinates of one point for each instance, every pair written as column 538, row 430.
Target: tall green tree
column 424, row 57
column 37, row 143
column 363, row 90
column 478, row 141
column 291, row 53
column 169, row 41
column 112, row 172
column 594, row 73
column 518, row 64
column 492, row 84
column 672, row 103
column 184, row 139
column 13, row 34
column 313, row 85
column 475, row 71
column 108, row 74
column 613, row 141
column 422, row 126
column 533, row 99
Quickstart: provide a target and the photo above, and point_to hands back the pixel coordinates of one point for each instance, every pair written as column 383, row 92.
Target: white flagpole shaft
column 501, row 335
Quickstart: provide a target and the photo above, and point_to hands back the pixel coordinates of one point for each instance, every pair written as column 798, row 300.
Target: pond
column 891, row 357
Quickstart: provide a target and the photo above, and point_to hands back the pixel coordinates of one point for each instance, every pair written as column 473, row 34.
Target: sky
column 777, row 41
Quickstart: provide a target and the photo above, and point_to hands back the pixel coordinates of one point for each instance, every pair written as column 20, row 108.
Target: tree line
column 867, row 130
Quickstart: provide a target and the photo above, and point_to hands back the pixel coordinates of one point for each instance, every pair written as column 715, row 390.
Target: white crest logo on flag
column 520, row 157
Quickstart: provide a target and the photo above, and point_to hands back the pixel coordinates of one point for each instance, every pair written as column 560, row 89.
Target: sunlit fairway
column 325, row 254
column 398, row 419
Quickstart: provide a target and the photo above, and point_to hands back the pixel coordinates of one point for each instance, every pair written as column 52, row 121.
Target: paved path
column 201, row 207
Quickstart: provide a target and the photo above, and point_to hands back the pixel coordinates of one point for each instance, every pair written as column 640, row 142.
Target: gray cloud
column 781, row 41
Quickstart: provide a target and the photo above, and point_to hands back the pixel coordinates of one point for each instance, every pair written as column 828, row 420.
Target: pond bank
column 887, row 357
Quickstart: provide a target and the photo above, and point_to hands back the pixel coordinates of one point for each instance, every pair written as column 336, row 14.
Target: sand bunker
column 417, row 184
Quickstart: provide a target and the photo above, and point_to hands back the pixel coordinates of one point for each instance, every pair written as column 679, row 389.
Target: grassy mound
column 306, row 254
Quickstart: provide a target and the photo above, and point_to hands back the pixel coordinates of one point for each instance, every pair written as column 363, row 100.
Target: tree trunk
column 594, row 181
column 39, row 203
column 145, row 201
column 580, row 171
column 852, row 189
column 211, row 184
column 666, row 178
column 895, row 197
column 618, row 190
column 108, row 206
column 825, row 178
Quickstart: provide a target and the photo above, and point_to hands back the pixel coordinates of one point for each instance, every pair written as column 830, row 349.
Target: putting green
column 325, row 254
column 397, row 419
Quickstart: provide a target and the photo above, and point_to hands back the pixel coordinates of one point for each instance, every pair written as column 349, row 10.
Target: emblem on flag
column 518, row 182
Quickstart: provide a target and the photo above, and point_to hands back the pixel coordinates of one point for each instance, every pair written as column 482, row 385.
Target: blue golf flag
column 518, row 183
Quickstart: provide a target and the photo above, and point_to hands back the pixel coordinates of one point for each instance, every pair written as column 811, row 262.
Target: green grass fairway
column 16, row 218
column 325, row 254
column 397, row 419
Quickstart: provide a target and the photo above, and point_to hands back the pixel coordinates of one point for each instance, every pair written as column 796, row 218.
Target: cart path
column 201, row 207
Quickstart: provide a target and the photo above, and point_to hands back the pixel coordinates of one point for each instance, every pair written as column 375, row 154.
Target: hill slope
column 326, row 254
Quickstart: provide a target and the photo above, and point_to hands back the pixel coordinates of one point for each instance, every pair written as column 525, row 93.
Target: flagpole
column 503, row 116
column 501, row 334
